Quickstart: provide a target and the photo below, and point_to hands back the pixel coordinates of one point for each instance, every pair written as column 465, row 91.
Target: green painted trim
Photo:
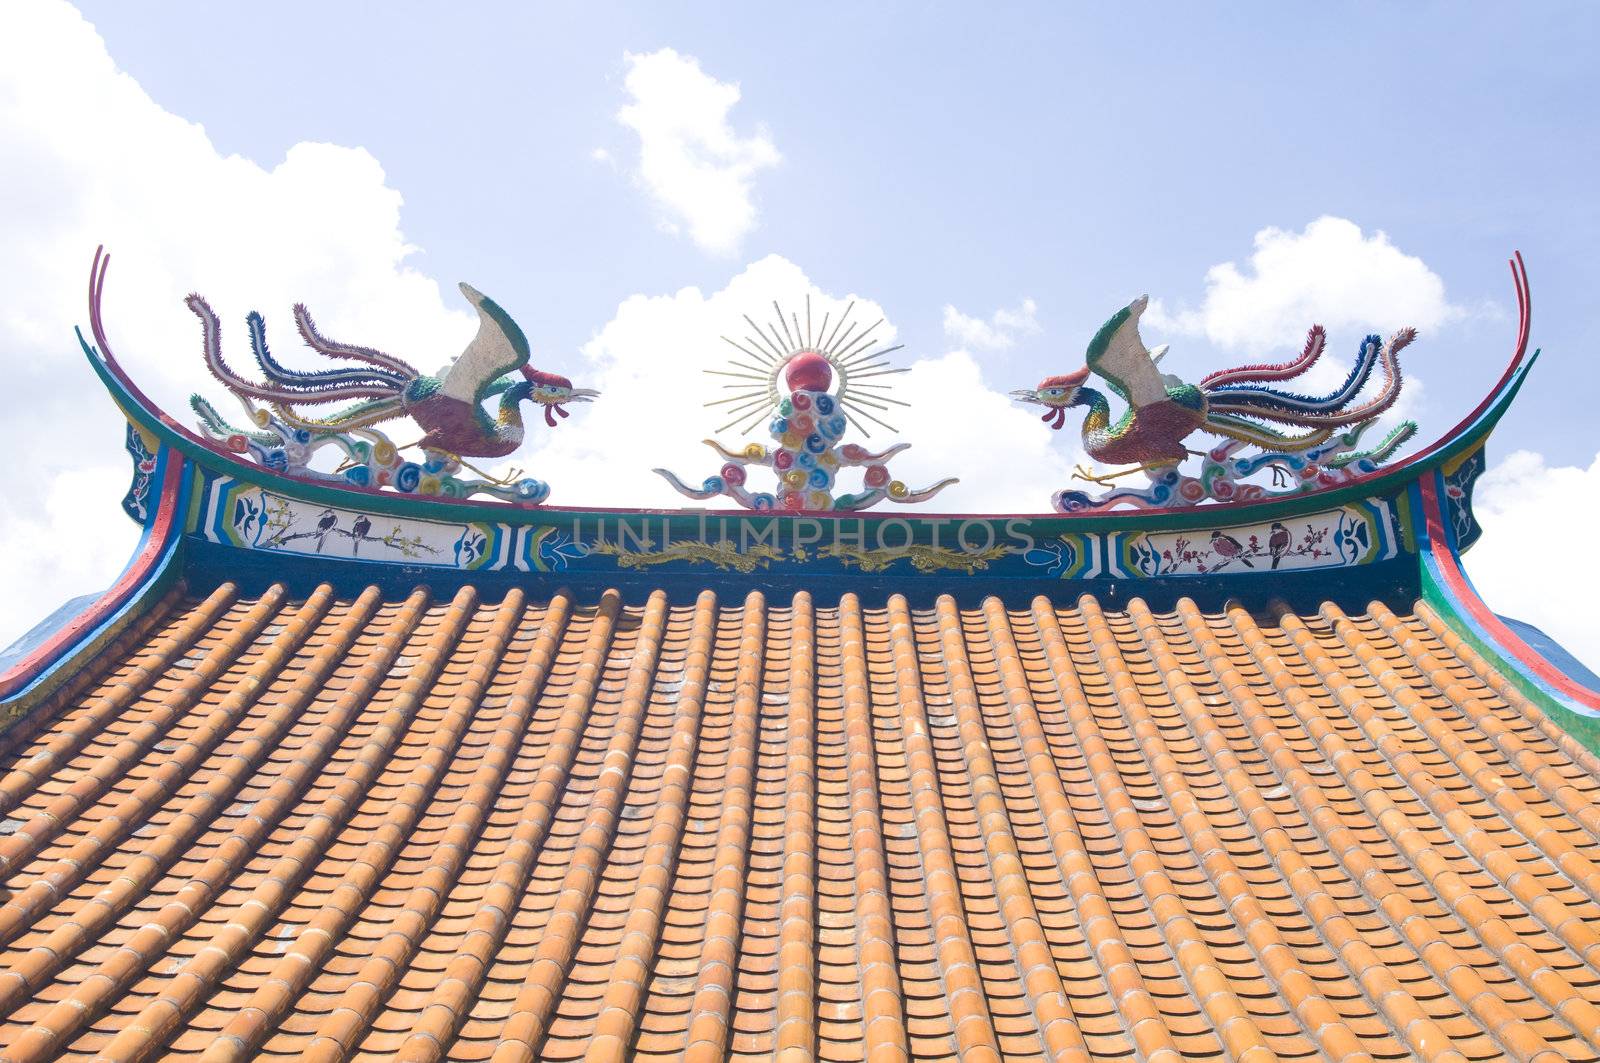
column 197, row 499
column 1586, row 729
column 1406, row 518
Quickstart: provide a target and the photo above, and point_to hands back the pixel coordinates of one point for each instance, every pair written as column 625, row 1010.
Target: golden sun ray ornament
column 814, row 383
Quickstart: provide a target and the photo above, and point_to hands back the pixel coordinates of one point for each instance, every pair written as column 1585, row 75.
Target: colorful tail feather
column 218, row 427
column 211, row 330
column 382, row 383
column 1264, row 436
column 348, row 351
column 1316, row 341
column 283, row 376
column 1234, row 394
column 361, row 415
column 1397, row 436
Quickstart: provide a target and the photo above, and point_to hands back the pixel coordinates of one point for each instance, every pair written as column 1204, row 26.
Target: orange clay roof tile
column 560, row 829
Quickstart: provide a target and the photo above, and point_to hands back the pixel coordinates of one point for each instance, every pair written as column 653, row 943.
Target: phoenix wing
column 1118, row 355
column 497, row 349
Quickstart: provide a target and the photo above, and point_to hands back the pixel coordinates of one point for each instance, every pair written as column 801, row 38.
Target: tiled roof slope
column 572, row 829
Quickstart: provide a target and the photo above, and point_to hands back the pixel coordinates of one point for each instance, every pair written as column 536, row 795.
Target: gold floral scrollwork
column 723, row 555
column 923, row 558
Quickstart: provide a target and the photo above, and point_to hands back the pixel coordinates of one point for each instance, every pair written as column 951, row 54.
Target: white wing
column 497, row 349
column 1128, row 362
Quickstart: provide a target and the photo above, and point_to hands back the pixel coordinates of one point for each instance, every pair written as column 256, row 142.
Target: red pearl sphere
column 808, row 371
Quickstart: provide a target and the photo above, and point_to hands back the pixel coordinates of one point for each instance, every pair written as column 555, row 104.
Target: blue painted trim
column 1393, row 581
column 1547, row 647
column 40, row 633
column 161, row 574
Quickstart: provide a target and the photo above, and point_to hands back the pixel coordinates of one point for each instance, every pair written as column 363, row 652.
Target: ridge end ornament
column 374, row 388
column 1236, row 404
column 811, row 386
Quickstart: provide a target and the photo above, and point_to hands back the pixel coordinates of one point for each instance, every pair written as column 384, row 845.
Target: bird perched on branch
column 1229, row 549
column 1278, row 543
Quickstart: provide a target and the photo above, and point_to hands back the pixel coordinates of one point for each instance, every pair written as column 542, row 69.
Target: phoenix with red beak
column 448, row 406
column 1241, row 404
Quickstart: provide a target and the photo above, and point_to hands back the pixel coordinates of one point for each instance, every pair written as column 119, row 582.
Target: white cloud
column 93, row 159
column 691, row 161
column 1331, row 274
column 1524, row 571
column 961, row 426
column 996, row 334
column 90, row 158
column 649, row 363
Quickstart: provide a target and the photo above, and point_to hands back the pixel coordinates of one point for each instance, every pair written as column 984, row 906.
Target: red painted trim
column 1519, row 277
column 143, row 565
column 1461, row 588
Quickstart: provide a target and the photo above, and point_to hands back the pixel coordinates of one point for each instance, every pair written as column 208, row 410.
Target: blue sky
column 939, row 154
column 1044, row 163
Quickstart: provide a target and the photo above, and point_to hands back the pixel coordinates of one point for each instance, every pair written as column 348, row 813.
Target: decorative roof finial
column 1235, row 404
column 448, row 407
column 827, row 386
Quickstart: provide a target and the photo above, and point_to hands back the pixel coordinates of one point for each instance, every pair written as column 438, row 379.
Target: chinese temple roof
column 512, row 827
column 331, row 773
